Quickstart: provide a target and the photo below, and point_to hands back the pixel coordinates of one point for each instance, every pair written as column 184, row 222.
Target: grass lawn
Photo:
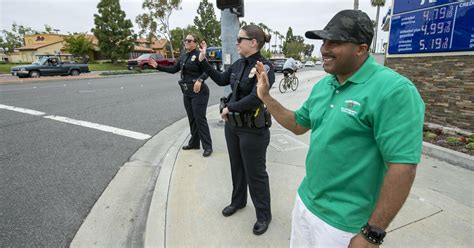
column 107, row 67
column 5, row 68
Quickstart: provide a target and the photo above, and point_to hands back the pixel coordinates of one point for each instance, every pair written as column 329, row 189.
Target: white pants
column 307, row 230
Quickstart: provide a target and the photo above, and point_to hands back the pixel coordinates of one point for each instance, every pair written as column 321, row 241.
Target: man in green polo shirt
column 366, row 125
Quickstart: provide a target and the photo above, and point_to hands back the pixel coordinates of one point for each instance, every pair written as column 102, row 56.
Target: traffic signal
column 228, row 4
column 235, row 6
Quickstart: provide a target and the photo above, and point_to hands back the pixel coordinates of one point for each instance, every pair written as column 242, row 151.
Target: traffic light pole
column 229, row 31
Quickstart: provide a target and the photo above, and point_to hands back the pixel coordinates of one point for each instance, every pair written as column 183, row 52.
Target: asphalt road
column 52, row 172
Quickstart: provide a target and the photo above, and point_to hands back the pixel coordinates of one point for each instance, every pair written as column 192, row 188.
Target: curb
column 155, row 231
column 453, row 157
column 120, row 215
column 54, row 78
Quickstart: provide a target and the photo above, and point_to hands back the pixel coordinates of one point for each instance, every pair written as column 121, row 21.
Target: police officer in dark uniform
column 195, row 94
column 247, row 140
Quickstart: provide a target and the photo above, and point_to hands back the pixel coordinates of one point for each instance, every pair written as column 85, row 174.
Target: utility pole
column 230, row 25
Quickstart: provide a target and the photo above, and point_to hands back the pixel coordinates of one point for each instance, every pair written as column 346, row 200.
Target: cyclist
column 290, row 67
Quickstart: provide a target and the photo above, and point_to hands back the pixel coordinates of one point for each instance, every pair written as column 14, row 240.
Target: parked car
column 309, row 64
column 49, row 65
column 278, row 64
column 319, row 62
column 299, row 64
column 143, row 61
column 214, row 56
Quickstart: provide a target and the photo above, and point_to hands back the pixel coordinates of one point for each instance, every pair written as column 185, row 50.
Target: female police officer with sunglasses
column 246, row 143
column 195, row 94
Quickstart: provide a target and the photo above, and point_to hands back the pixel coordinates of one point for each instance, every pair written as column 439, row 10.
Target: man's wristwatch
column 373, row 234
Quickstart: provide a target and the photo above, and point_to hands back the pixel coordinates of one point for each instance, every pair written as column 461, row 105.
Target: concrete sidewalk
column 191, row 191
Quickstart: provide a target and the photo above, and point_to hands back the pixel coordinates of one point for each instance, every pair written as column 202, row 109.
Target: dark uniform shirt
column 189, row 66
column 246, row 98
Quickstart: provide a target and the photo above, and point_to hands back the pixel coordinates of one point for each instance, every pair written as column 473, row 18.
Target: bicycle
column 288, row 82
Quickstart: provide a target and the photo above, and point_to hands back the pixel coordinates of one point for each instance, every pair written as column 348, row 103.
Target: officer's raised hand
column 262, row 85
column 202, row 48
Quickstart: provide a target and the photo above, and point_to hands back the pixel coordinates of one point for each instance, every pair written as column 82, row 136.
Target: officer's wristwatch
column 373, row 234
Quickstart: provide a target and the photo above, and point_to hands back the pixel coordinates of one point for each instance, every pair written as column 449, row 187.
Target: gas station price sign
column 419, row 27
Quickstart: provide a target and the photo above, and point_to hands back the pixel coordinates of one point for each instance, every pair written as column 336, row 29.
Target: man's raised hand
column 262, row 85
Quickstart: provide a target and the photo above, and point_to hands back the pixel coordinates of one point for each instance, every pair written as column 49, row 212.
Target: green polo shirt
column 374, row 118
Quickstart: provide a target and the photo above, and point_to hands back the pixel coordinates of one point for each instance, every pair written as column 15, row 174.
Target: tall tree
column 207, row 23
column 78, row 45
column 281, row 42
column 294, row 45
column 277, row 36
column 378, row 4
column 179, row 34
column 157, row 18
column 294, row 50
column 48, row 29
column 2, row 42
column 113, row 32
column 289, row 38
column 14, row 38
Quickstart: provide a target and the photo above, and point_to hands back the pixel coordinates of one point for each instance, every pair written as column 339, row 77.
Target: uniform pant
column 247, row 152
column 196, row 107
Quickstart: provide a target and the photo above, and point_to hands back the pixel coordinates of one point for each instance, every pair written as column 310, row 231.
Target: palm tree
column 378, row 4
column 282, row 38
column 266, row 29
column 277, row 35
column 356, row 4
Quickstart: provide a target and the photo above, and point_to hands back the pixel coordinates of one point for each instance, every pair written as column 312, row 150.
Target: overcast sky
column 77, row 15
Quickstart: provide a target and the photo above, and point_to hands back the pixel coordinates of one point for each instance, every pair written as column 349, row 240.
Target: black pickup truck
column 49, row 66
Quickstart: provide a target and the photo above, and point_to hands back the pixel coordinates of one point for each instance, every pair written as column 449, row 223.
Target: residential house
column 45, row 44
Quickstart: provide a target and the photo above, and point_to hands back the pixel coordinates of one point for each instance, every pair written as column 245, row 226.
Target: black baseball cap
column 348, row 25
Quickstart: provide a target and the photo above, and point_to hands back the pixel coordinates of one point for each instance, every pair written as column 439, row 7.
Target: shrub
column 470, row 146
column 453, row 140
column 430, row 135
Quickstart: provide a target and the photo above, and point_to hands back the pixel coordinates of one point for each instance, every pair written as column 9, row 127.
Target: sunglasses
column 239, row 39
column 188, row 41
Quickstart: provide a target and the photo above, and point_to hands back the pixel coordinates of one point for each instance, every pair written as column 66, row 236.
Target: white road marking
column 22, row 110
column 114, row 130
column 109, row 129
